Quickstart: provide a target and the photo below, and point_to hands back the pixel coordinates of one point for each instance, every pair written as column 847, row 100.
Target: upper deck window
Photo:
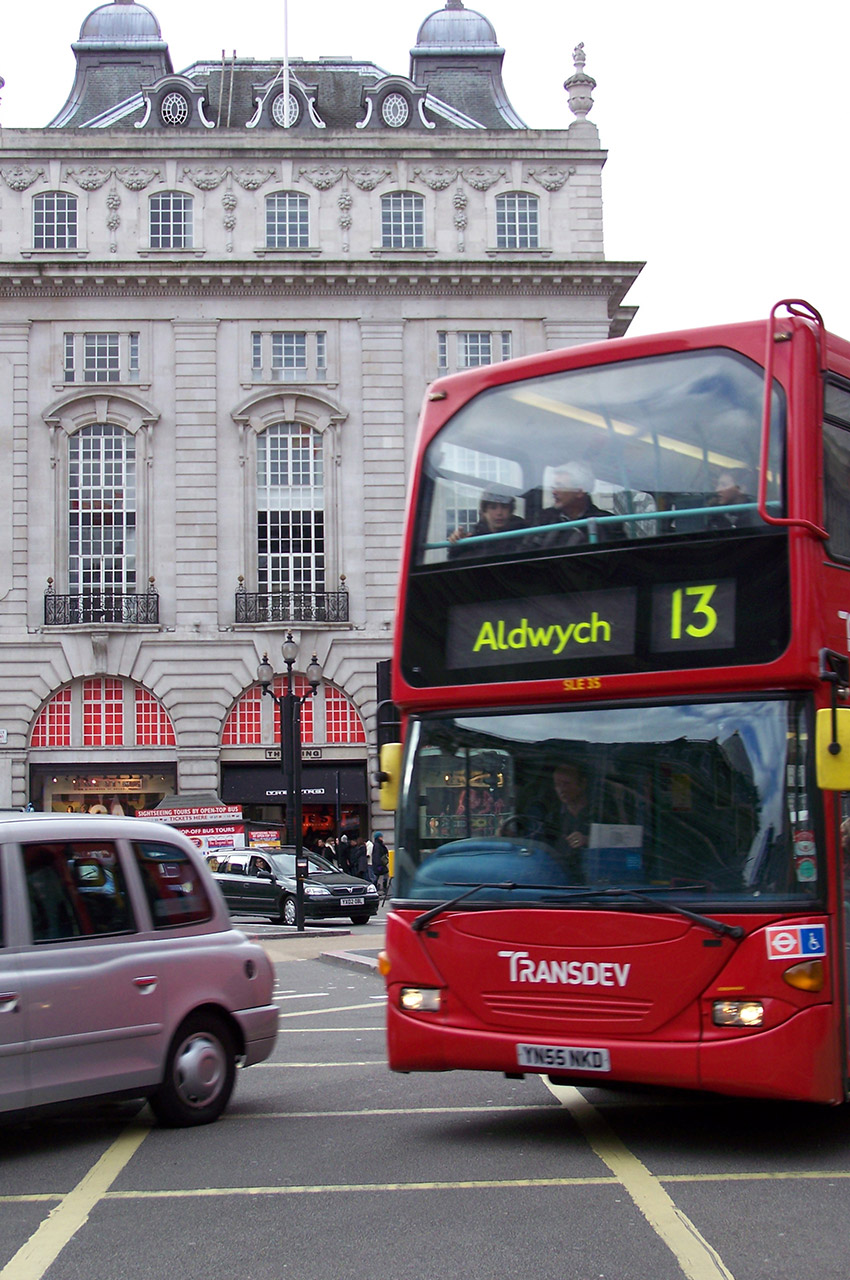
column 656, row 448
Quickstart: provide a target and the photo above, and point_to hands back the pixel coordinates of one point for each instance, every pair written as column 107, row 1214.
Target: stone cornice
column 336, row 279
column 337, row 147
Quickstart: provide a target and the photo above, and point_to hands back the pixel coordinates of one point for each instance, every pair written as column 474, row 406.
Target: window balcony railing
column 122, row 607
column 292, row 606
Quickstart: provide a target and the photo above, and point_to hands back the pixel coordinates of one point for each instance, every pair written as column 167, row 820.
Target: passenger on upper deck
column 495, row 515
column 728, row 493
column 572, row 486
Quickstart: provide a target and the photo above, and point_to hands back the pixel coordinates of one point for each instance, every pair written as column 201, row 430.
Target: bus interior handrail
column 629, row 517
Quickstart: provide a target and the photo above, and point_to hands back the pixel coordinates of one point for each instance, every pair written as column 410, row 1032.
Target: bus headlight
column 737, row 1013
column 421, row 999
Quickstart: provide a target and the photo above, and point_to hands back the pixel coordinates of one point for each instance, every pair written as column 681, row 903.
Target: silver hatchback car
column 120, row 972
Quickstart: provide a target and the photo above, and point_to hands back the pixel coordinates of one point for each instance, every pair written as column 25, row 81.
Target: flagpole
column 286, row 64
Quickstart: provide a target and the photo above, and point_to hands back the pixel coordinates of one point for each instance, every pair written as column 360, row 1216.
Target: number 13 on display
column 698, row 615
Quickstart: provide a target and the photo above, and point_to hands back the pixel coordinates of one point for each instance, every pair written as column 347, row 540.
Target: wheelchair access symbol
column 796, row 941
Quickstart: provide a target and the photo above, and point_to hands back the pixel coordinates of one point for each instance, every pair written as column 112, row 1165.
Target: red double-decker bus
column 621, row 658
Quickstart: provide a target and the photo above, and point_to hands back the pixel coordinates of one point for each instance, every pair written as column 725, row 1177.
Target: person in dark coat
column 380, row 863
column 359, row 858
column 572, row 486
column 496, row 514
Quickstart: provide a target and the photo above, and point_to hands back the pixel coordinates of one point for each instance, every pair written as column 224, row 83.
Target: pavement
column 353, row 948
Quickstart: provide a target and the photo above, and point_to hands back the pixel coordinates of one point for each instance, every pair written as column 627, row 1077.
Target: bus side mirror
column 389, row 777
column 832, row 748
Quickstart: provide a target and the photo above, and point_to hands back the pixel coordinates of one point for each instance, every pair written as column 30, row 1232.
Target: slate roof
column 121, row 51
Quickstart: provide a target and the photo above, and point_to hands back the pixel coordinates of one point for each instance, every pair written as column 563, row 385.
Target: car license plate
column 351, row 902
column 563, row 1057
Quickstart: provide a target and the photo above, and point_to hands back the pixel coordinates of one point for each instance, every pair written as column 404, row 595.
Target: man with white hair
column 572, row 485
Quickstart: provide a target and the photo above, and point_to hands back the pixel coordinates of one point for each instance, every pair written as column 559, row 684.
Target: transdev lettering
column 495, row 635
column 576, row 973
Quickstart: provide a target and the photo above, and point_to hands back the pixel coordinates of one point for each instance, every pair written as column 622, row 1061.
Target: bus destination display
column 589, row 624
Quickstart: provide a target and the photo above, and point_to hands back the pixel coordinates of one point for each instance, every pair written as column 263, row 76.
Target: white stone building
column 220, row 310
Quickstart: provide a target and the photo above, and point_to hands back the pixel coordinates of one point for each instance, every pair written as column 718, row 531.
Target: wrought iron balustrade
column 291, row 606
column 121, row 607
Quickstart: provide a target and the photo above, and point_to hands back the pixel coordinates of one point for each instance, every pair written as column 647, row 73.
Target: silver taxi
column 120, row 972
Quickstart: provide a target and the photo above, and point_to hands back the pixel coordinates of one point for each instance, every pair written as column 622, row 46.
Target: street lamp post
column 289, row 706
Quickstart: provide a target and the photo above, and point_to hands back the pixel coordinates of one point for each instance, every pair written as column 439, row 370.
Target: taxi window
column 175, row 891
column 75, row 888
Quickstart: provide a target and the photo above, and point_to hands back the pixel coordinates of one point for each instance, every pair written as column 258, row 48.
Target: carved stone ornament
column 90, row 178
column 113, row 200
column 229, row 201
column 436, row 177
column 482, row 179
column 345, row 200
column 322, row 179
column 20, row 176
column 251, row 179
column 205, row 179
column 367, row 179
column 550, row 179
column 135, row 179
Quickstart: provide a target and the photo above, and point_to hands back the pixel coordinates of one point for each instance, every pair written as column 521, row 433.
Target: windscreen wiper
column 577, row 891
column 427, row 916
column 717, row 926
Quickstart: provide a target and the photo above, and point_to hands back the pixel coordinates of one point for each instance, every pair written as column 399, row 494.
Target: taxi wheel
column 288, row 910
column 199, row 1073
column 361, row 919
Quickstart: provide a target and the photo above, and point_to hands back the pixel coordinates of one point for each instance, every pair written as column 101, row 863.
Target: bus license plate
column 351, row 902
column 563, row 1057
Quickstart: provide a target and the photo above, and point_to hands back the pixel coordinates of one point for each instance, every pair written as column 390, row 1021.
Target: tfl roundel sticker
column 796, row 941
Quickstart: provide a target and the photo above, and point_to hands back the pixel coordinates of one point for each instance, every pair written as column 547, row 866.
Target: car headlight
column 316, row 891
column 372, row 889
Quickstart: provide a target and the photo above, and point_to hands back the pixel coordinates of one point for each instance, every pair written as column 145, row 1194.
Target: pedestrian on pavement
column 380, row 864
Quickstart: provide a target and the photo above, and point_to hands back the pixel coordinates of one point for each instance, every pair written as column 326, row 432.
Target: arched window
column 53, row 726
column 290, row 510
column 328, row 717
column 342, row 721
column 517, row 221
column 171, row 221
column 101, row 511
column 287, row 221
column 402, row 220
column 54, row 221
column 249, row 725
column 103, row 711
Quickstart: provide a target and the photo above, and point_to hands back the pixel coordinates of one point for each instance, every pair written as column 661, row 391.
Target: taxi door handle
column 146, row 985
column 10, row 1002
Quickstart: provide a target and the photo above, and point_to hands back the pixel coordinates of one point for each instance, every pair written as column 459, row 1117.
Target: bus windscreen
column 709, row 801
column 661, row 447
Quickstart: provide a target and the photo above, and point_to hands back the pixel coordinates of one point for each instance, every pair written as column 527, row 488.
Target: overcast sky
column 725, row 123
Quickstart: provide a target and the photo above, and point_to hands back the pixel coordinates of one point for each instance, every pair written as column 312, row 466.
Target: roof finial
column 454, row 4
column 580, row 86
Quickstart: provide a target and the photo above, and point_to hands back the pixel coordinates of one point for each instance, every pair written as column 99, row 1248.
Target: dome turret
column 122, row 22
column 457, row 28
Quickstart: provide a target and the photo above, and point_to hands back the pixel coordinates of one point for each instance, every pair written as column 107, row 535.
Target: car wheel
column 363, row 918
column 199, row 1073
column 288, row 910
